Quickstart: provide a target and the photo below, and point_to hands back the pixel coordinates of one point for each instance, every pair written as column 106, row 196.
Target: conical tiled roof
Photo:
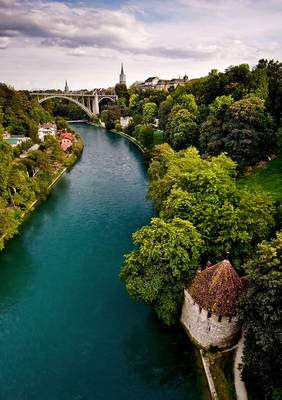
column 217, row 289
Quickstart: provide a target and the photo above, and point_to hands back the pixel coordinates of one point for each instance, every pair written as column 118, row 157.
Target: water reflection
column 16, row 274
column 165, row 357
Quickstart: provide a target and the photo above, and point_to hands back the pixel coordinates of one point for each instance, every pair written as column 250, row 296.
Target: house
column 152, row 81
column 66, row 139
column 162, row 84
column 178, row 81
column 149, row 83
column 209, row 309
column 49, row 128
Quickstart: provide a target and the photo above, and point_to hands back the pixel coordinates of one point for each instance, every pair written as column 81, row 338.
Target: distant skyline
column 43, row 43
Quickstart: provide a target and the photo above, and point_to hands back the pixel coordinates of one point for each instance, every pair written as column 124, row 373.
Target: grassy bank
column 267, row 176
column 221, row 367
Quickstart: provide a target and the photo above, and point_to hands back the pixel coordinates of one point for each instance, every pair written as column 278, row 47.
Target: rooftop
column 66, row 135
column 217, row 289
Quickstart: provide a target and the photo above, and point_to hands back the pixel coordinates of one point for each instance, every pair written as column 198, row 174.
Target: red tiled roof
column 66, row 135
column 217, row 289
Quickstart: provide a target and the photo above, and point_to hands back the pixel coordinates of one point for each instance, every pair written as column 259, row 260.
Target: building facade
column 49, row 128
column 209, row 309
column 154, row 82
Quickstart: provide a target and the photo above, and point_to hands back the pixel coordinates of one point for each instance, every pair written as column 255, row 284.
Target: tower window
column 219, row 318
column 209, row 314
column 230, row 319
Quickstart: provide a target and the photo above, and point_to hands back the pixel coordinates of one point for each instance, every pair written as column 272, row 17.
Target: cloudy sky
column 42, row 42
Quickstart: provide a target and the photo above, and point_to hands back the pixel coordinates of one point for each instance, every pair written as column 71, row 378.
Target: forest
column 25, row 176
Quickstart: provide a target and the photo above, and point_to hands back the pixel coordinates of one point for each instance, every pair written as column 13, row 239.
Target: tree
column 220, row 106
column 6, row 157
column 149, row 113
column 122, row 92
column 135, row 103
column 261, row 316
column 166, row 257
column 8, row 225
column 164, row 111
column 274, row 100
column 113, row 114
column 145, row 135
column 244, row 131
column 204, row 192
column 188, row 102
column 181, row 129
column 62, row 124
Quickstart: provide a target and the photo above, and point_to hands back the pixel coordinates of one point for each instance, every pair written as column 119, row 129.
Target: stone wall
column 207, row 329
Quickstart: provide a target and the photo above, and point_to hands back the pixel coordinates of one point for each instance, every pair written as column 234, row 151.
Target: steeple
column 66, row 87
column 122, row 77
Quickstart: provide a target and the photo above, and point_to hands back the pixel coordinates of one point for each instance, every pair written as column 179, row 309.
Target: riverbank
column 125, row 135
column 18, row 216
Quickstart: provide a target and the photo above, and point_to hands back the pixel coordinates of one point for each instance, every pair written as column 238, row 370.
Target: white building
column 47, row 129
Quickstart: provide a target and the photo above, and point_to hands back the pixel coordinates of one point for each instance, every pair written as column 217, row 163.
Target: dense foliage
column 26, row 173
column 237, row 111
column 221, row 218
column 167, row 255
column 261, row 316
column 19, row 115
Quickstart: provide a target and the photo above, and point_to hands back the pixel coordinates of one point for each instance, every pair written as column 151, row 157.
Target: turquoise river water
column 68, row 330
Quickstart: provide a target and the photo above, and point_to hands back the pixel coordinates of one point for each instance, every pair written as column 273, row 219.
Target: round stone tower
column 209, row 309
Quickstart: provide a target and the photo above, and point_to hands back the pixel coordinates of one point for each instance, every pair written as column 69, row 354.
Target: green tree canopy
column 166, row 256
column 244, row 132
column 149, row 113
column 181, row 128
column 204, row 192
column 261, row 315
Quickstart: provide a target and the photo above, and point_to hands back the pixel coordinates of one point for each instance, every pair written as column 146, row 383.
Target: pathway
column 240, row 387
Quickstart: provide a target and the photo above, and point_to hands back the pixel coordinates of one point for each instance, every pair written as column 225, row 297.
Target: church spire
column 66, row 87
column 122, row 76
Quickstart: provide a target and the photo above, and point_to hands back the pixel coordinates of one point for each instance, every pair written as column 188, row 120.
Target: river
column 68, row 330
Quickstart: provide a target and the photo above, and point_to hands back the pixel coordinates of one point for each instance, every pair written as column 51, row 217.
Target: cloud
column 49, row 39
column 4, row 42
column 78, row 26
column 57, row 24
column 78, row 52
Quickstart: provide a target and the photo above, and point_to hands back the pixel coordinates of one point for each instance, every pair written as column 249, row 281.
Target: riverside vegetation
column 25, row 180
column 215, row 130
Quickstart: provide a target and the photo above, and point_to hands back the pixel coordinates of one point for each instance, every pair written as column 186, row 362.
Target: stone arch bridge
column 89, row 103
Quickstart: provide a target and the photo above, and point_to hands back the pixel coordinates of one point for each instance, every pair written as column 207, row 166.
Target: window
column 219, row 318
column 209, row 314
column 230, row 319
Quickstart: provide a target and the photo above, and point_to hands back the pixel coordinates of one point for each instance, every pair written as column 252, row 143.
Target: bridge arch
column 107, row 97
column 82, row 106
